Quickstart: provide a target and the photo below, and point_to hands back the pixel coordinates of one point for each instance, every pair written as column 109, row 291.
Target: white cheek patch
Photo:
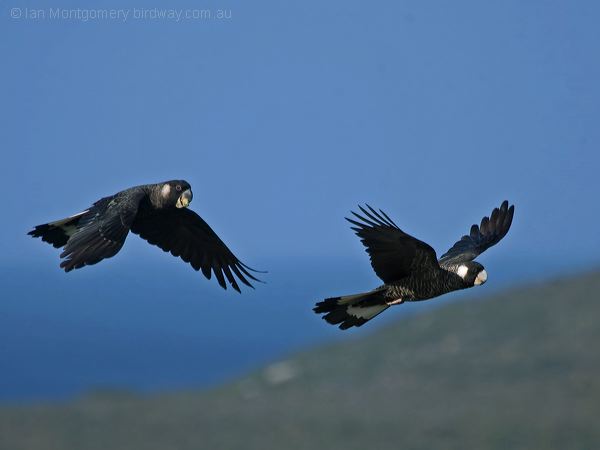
column 166, row 189
column 462, row 271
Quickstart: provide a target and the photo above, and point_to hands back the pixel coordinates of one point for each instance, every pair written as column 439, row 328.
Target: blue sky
column 285, row 116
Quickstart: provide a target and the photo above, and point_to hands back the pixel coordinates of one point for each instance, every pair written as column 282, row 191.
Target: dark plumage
column 409, row 267
column 157, row 213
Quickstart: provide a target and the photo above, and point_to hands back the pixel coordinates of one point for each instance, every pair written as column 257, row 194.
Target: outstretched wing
column 100, row 231
column 394, row 254
column 186, row 235
column 491, row 230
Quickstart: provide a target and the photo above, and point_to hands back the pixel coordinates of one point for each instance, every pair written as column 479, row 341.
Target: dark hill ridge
column 519, row 370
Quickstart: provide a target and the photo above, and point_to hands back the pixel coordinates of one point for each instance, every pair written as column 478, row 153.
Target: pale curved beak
column 184, row 199
column 481, row 278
